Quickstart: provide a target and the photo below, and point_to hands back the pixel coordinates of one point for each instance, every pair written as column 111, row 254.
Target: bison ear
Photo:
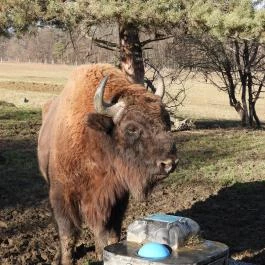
column 99, row 122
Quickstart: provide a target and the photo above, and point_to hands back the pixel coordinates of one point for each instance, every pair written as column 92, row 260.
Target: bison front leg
column 103, row 238
column 109, row 232
column 66, row 229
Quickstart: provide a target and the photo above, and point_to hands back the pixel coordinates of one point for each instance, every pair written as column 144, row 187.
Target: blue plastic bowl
column 154, row 251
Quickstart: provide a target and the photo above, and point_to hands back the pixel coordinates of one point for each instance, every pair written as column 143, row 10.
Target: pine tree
column 130, row 16
column 17, row 16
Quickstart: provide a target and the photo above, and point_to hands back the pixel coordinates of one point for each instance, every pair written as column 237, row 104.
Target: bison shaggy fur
column 92, row 161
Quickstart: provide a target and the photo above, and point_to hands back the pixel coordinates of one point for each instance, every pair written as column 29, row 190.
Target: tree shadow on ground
column 216, row 124
column 236, row 217
column 20, row 180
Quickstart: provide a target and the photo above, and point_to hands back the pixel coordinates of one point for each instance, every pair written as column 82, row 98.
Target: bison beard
column 94, row 153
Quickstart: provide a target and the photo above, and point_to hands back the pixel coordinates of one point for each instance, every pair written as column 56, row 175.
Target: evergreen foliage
column 17, row 16
column 226, row 19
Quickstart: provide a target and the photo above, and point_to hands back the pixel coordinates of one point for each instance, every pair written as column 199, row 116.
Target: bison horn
column 102, row 107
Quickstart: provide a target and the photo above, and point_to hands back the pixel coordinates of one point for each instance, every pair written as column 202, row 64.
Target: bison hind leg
column 66, row 228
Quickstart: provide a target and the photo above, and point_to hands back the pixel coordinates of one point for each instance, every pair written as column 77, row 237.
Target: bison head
column 138, row 126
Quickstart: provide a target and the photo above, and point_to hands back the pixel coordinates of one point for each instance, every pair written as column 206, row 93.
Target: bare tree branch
column 106, row 44
column 145, row 42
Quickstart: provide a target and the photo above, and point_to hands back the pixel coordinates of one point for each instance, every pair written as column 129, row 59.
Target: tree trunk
column 245, row 116
column 232, row 96
column 251, row 105
column 239, row 109
column 131, row 56
column 243, row 79
column 251, row 114
column 258, row 124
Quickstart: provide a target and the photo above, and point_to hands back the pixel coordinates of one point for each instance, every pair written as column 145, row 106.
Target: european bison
column 93, row 152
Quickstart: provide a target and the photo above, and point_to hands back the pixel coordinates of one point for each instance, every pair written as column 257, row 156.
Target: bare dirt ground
column 234, row 214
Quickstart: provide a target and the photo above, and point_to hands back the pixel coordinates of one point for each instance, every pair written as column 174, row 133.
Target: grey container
column 173, row 231
column 170, row 230
column 208, row 252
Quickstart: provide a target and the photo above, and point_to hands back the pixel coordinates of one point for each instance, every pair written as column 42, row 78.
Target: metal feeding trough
column 165, row 240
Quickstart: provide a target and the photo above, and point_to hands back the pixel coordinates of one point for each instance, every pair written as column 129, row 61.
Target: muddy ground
column 234, row 215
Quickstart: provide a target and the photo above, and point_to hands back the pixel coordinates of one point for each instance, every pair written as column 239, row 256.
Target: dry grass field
column 203, row 101
column 40, row 73
column 219, row 181
column 35, row 82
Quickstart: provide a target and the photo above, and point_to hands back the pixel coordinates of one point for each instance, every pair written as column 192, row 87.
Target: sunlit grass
column 222, row 156
column 204, row 101
column 42, row 73
column 34, row 99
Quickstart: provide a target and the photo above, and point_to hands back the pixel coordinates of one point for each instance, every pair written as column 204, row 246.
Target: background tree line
column 223, row 40
column 53, row 45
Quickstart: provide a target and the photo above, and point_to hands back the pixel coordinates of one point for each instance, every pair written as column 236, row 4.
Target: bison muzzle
column 100, row 139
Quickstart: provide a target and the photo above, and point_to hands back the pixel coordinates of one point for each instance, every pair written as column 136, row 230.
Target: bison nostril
column 166, row 165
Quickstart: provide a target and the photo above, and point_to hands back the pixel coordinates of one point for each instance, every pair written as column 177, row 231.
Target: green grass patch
column 11, row 114
column 221, row 156
column 19, row 122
